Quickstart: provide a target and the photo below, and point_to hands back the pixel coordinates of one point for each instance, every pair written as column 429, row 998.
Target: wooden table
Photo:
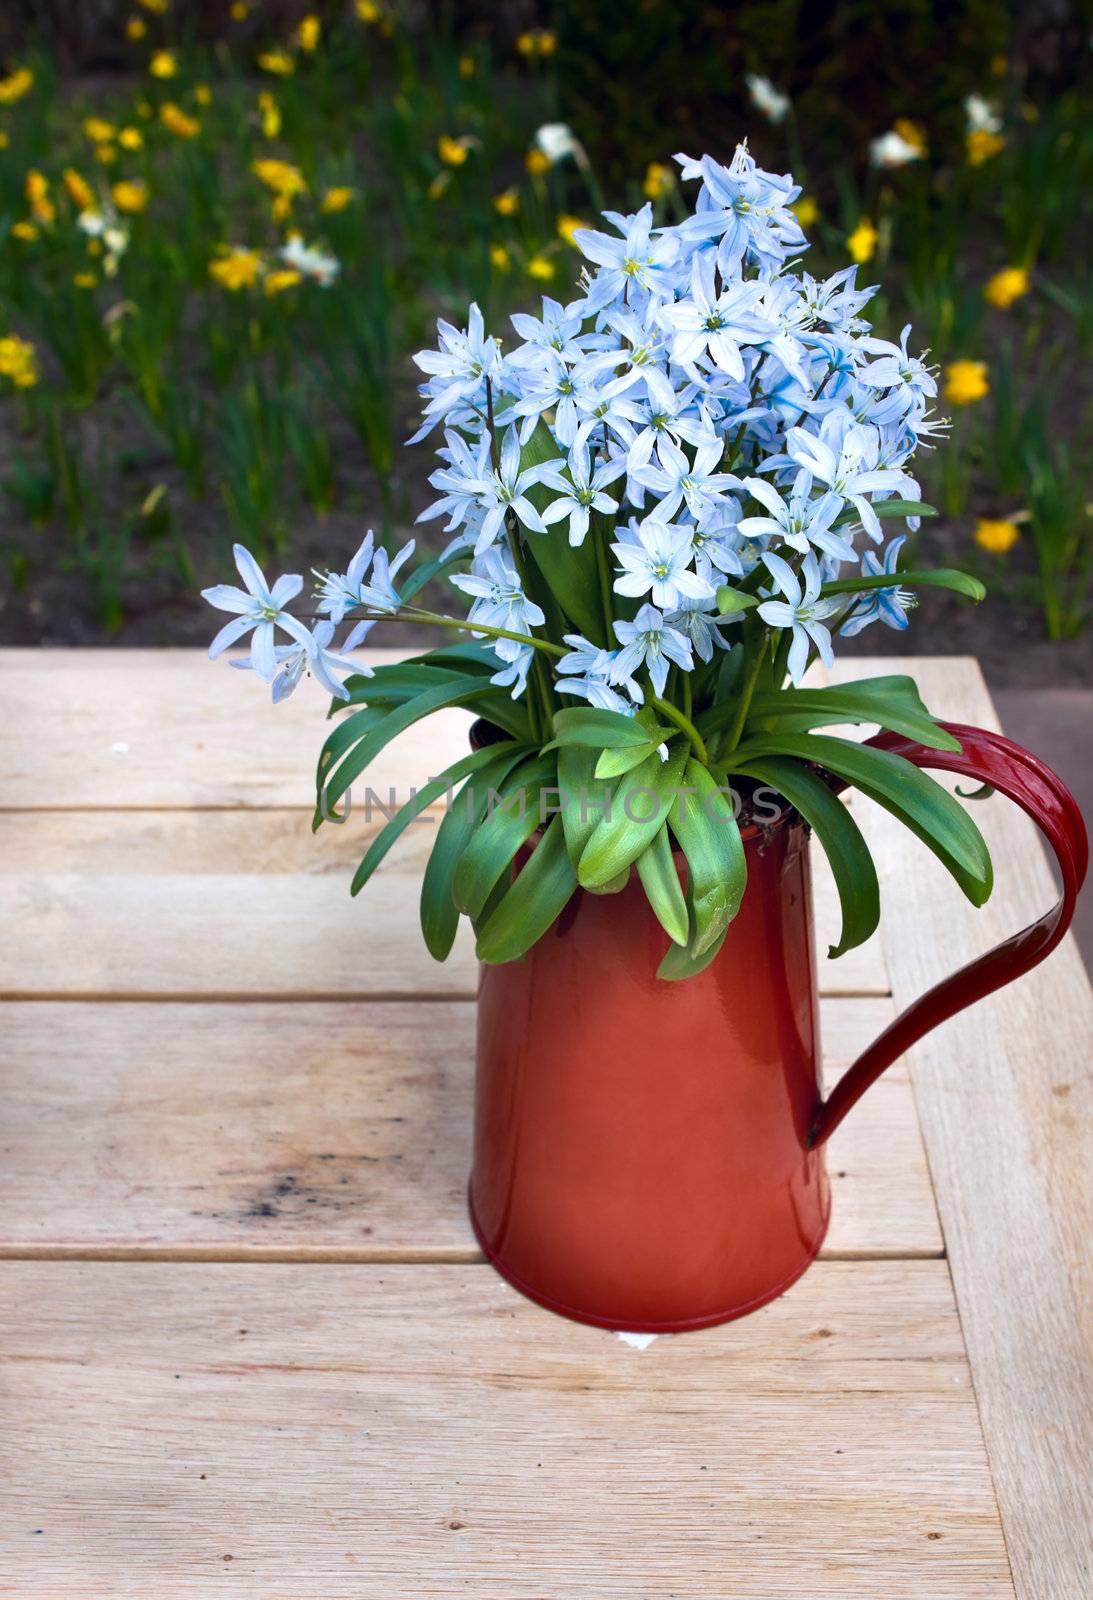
column 249, row 1346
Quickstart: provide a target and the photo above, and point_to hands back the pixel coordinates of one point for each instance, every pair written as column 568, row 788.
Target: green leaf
column 500, row 835
column 422, row 799
column 845, row 848
column 640, row 804
column 439, row 912
column 889, row 702
column 378, row 736
column 731, row 600
column 534, row 900
column 583, row 798
column 919, row 802
column 660, row 880
column 604, row 730
column 681, row 961
column 889, row 508
column 613, row 763
column 705, row 825
column 933, row 578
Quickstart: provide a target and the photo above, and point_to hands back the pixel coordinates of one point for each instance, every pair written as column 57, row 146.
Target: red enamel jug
column 649, row 1155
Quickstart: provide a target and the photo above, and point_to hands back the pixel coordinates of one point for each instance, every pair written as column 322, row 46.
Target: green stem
column 732, row 738
column 435, row 620
column 685, row 725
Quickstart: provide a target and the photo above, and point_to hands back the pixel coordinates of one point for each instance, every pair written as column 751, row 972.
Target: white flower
column 557, row 140
column 893, row 150
column 650, row 642
column 260, row 608
column 499, row 598
column 769, row 100
column 309, row 261
column 981, row 115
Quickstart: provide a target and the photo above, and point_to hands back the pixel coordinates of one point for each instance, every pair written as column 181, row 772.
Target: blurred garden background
column 225, row 227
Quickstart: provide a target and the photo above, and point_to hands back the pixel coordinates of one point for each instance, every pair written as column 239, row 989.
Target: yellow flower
column 309, row 33
column 659, row 181
column 239, row 11
column 541, row 267
column 236, row 268
column 203, row 94
column 106, row 154
column 368, row 11
column 164, row 64
column 862, row 243
column 136, row 28
column 536, row 42
column 131, row 195
column 131, row 139
column 36, row 189
column 537, row 162
column 453, row 152
column 966, row 382
column 17, row 361
column 1006, row 287
column 507, row 203
column 438, row 185
column 25, row 231
column 280, row 176
column 277, row 282
column 271, row 115
column 912, row 133
column 16, row 85
column 98, row 131
column 997, row 536
column 999, row 66
column 982, row 144
column 281, row 209
column 337, row 199
column 84, row 280
column 567, row 226
column 94, row 247
column 80, row 191
column 157, row 7
column 467, row 66
column 279, row 62
column 806, row 211
column 175, row 120
column 4, row 140
column 500, row 258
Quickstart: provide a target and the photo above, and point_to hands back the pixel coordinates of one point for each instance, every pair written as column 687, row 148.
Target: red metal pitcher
column 650, row 1155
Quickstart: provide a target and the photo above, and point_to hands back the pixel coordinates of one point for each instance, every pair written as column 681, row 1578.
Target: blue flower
column 582, row 492
column 650, row 642
column 655, row 558
column 260, row 608
column 802, row 610
column 637, row 260
column 499, row 598
column 294, row 659
column 889, row 606
column 342, row 592
column 801, row 522
column 460, row 369
column 746, row 209
column 844, row 459
column 713, row 325
column 679, row 481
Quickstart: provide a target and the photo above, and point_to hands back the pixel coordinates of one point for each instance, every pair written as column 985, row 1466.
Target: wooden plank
column 377, row 1431
column 248, row 904
column 120, row 728
column 1005, row 1094
column 322, row 1132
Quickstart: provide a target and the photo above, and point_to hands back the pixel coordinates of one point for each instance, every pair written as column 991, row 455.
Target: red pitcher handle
column 1047, row 800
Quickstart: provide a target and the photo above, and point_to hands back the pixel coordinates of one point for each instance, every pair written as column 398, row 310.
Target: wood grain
column 171, row 728
column 370, row 1432
column 323, row 1132
column 1005, row 1096
column 248, row 904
